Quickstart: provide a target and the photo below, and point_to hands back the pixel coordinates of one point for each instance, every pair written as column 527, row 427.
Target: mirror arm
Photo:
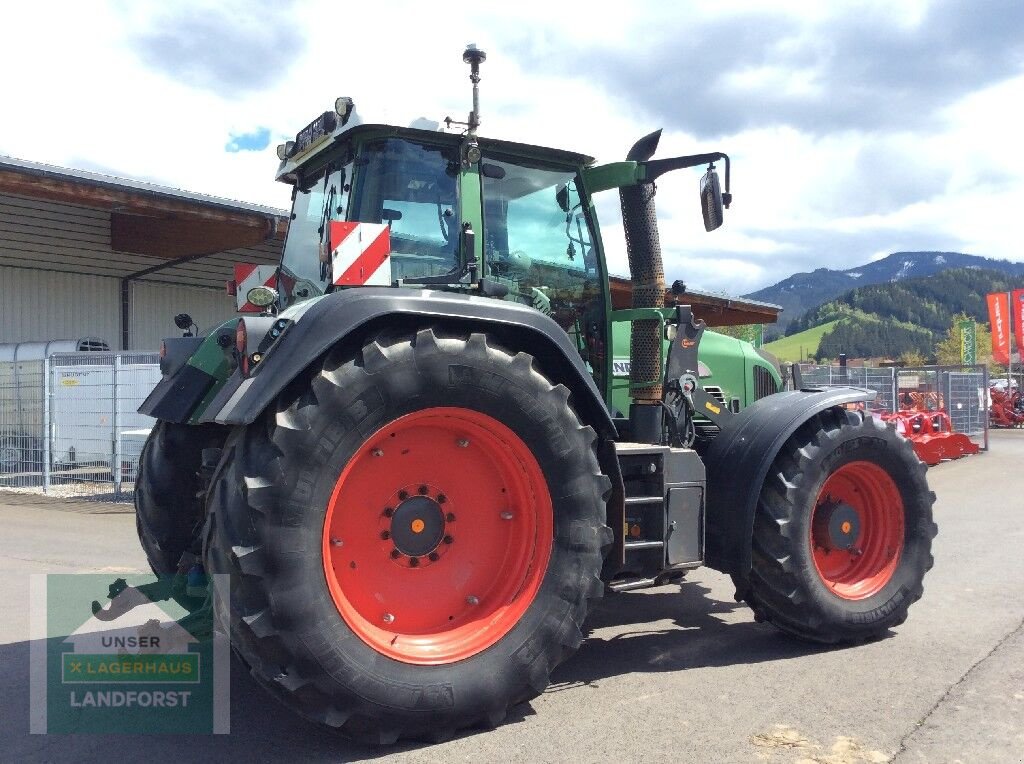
column 655, row 168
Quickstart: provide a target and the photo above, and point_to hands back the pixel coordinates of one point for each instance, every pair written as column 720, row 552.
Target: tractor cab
column 514, row 225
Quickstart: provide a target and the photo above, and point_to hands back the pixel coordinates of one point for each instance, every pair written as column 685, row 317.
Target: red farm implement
column 1007, row 409
column 931, row 434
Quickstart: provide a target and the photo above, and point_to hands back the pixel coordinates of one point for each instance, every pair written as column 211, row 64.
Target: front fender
column 351, row 312
column 738, row 461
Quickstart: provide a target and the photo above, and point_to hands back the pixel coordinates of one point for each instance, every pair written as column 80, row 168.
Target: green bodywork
column 211, row 358
column 726, row 363
column 601, row 335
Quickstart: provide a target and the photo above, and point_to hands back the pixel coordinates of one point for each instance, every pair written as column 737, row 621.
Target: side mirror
column 711, row 200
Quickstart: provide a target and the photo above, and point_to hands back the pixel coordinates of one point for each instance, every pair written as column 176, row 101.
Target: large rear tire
column 169, row 492
column 843, row 531
column 413, row 533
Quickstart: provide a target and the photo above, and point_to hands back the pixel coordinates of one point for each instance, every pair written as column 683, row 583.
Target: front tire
column 843, row 531
column 412, row 535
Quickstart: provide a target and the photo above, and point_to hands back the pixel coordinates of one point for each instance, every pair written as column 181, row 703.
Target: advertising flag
column 1018, row 318
column 968, row 343
column 998, row 316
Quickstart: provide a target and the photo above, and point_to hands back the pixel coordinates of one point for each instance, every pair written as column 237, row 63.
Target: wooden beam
column 714, row 310
column 176, row 237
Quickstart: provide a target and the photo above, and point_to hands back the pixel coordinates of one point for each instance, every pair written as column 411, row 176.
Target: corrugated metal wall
column 155, row 305
column 45, row 305
column 59, row 279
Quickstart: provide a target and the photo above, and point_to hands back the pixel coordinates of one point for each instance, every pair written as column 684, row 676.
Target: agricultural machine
column 931, row 434
column 1007, row 408
column 418, row 465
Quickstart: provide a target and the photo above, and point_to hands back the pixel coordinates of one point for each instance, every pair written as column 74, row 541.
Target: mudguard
column 351, row 312
column 738, row 461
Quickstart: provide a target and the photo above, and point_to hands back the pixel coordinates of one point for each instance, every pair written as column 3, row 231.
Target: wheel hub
column 417, row 526
column 838, row 525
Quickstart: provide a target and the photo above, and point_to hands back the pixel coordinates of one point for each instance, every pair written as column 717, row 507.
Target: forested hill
column 805, row 291
column 927, row 303
column 907, row 315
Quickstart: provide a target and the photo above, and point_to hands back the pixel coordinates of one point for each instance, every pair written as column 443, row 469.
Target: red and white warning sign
column 248, row 276
column 360, row 254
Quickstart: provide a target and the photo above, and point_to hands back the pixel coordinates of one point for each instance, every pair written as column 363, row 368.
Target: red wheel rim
column 857, row 530
column 437, row 536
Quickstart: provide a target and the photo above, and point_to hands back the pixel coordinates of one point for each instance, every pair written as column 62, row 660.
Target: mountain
column 899, row 316
column 805, row 291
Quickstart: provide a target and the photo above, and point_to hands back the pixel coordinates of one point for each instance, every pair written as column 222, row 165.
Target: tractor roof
column 354, row 126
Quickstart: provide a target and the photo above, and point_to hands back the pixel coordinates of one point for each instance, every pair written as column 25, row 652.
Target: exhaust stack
column 647, row 274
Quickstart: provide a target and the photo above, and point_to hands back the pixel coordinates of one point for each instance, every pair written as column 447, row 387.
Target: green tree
column 913, row 358
column 947, row 351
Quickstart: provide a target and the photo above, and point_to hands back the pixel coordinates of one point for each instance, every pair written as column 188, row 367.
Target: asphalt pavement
column 670, row 674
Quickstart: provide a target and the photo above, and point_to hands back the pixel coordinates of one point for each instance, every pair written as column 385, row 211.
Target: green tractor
column 424, row 454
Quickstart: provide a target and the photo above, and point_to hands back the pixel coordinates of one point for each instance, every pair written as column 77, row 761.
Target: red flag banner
column 999, row 319
column 1018, row 318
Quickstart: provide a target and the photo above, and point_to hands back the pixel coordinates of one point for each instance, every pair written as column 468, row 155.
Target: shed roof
column 74, row 220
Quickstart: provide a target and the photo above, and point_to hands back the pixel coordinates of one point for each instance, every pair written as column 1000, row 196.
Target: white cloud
column 81, row 95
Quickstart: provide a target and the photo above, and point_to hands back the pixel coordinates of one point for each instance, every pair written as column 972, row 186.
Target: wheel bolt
column 506, row 515
column 388, row 511
column 403, row 495
column 377, row 452
column 423, row 490
column 448, row 539
column 472, row 600
column 388, row 618
column 414, row 562
column 450, row 517
column 395, row 554
column 385, row 535
column 337, row 542
column 462, row 443
column 434, row 556
column 441, row 498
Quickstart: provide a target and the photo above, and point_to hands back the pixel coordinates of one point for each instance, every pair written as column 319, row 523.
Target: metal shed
column 88, row 254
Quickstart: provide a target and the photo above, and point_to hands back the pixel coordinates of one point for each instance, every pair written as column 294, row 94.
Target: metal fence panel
column 879, row 379
column 960, row 391
column 967, row 392
column 21, row 423
column 69, row 423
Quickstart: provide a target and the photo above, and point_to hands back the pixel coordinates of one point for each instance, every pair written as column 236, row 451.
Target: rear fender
column 738, row 461
column 354, row 314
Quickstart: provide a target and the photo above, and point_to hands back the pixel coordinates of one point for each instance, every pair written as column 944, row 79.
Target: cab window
column 304, row 273
column 537, row 242
column 412, row 188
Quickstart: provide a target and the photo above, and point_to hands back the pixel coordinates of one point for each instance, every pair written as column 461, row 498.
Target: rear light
column 163, row 349
column 241, row 343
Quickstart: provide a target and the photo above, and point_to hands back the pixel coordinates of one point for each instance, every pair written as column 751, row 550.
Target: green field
column 789, row 348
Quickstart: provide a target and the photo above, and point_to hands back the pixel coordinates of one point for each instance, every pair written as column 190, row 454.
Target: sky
column 856, row 129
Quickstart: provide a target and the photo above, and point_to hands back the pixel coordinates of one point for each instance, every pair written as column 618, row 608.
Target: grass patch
column 789, row 348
